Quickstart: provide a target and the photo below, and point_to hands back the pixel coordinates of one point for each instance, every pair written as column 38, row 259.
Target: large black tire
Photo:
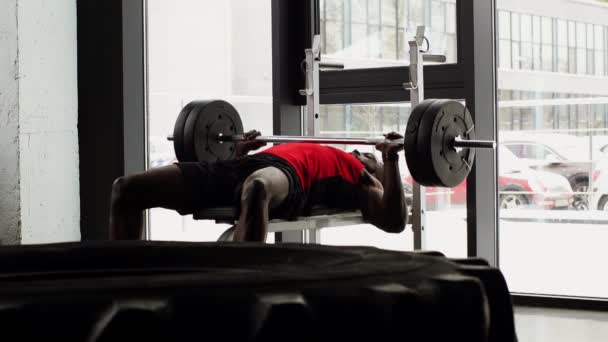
column 153, row 291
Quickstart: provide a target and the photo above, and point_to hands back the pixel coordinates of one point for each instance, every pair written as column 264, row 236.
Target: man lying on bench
column 282, row 182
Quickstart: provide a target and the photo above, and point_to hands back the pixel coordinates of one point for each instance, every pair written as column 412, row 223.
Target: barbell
column 457, row 143
column 439, row 141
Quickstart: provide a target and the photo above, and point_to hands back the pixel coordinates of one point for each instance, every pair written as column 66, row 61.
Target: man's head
column 372, row 165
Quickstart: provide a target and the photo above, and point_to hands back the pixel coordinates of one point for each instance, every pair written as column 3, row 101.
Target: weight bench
column 321, row 217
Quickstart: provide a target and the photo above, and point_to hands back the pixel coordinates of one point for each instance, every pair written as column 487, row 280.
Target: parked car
column 519, row 187
column 523, row 187
column 563, row 154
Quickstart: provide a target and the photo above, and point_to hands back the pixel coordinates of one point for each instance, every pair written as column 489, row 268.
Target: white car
column 564, row 154
column 523, row 187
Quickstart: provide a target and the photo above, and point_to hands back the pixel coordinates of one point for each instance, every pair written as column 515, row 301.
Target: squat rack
column 415, row 86
column 307, row 229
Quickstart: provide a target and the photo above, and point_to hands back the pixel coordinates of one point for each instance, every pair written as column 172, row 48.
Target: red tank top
column 315, row 163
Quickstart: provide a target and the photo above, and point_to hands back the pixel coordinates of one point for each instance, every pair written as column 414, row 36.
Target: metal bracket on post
column 416, row 88
column 311, row 68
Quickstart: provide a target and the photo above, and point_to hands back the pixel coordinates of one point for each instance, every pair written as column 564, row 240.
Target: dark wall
column 100, row 114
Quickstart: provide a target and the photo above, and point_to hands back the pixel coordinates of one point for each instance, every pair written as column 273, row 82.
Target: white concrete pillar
column 39, row 185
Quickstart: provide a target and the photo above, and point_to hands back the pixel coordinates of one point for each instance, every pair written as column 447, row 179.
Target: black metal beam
column 386, row 84
column 292, row 31
column 100, row 111
column 111, row 101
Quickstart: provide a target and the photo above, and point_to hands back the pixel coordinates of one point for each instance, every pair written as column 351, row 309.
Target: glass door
column 553, row 131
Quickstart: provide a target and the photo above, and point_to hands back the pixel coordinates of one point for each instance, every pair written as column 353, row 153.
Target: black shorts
column 219, row 184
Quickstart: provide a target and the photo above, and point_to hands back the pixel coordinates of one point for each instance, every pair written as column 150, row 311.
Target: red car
column 519, row 187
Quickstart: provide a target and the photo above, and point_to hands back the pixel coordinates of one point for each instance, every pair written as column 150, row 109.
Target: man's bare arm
column 384, row 203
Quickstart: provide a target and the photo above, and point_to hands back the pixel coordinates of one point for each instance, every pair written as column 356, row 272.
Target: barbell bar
column 439, row 140
column 457, row 143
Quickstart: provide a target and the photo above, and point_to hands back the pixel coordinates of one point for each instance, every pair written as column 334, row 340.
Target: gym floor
column 540, row 325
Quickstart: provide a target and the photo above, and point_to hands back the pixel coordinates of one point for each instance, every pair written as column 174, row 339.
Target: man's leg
column 263, row 190
column 157, row 188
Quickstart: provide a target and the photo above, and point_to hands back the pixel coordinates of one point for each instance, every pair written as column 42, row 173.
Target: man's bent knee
column 122, row 191
column 274, row 183
column 255, row 189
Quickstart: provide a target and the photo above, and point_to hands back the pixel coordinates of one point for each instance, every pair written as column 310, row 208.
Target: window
column 572, row 47
column 562, row 46
column 552, row 128
column 373, row 33
column 581, row 51
column 590, row 50
column 526, row 57
column 231, row 61
column 547, row 44
column 534, row 42
column 600, row 50
column 504, row 34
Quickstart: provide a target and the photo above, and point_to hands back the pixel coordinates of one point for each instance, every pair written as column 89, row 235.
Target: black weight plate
column 189, row 150
column 444, row 165
column 227, row 122
column 207, row 120
column 452, row 165
column 178, row 131
column 426, row 171
column 411, row 137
